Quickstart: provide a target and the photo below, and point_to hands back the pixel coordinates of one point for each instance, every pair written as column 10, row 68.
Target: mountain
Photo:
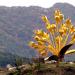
column 17, row 25
column 8, row 58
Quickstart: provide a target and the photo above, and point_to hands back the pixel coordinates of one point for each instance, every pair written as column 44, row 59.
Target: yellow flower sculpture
column 56, row 36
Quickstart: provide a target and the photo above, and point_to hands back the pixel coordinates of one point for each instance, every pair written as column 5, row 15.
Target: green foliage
column 18, row 61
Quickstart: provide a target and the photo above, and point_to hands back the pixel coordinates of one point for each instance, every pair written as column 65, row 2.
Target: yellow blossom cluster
column 56, row 36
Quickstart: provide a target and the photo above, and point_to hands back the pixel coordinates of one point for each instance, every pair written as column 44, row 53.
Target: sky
column 42, row 3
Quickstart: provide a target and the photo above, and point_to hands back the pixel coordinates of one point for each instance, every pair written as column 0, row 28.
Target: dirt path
column 3, row 73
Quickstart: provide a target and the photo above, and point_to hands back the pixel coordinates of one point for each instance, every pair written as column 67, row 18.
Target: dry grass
column 46, row 69
column 51, row 69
